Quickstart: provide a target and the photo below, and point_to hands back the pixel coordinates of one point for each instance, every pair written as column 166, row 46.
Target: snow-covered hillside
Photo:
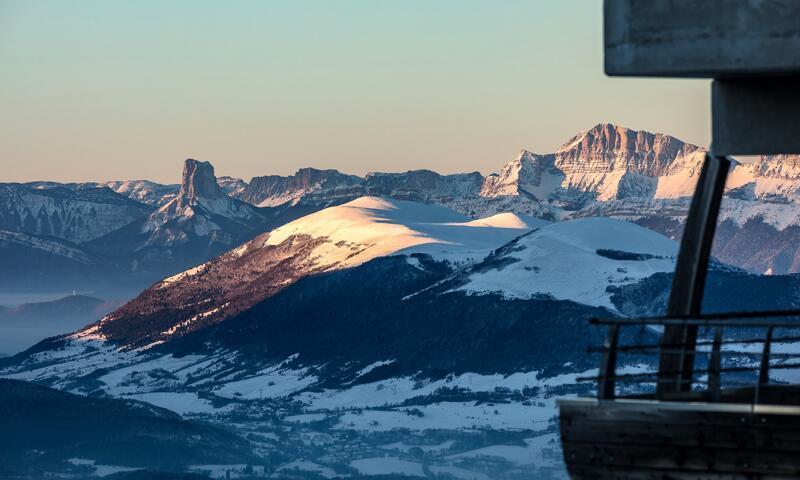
column 574, row 260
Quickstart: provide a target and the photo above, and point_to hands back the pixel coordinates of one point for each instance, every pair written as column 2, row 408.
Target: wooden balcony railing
column 721, row 356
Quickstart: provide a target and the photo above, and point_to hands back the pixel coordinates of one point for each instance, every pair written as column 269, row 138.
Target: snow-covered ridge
column 145, row 191
column 371, row 227
column 574, row 260
column 77, row 215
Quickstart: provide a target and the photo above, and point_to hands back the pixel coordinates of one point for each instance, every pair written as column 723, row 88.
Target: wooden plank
column 683, row 459
column 623, row 439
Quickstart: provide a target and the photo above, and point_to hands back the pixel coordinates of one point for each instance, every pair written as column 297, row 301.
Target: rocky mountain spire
column 198, row 182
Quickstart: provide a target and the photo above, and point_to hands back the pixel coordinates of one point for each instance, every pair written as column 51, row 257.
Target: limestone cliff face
column 198, row 181
column 604, row 163
column 609, row 148
column 201, row 211
column 275, row 190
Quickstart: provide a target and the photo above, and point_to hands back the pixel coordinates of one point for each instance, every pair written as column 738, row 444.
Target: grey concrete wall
column 702, row 38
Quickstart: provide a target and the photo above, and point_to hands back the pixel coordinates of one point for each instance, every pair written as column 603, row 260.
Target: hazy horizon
column 267, row 88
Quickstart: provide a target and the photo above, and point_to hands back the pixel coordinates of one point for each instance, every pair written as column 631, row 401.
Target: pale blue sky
column 112, row 89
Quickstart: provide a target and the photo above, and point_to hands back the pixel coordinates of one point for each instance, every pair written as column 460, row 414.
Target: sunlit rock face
column 198, row 181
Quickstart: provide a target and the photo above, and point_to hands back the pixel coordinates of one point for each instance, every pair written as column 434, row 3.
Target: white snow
column 308, row 466
column 184, row 274
column 528, row 173
column 373, row 366
column 386, row 466
column 182, row 403
column 272, row 382
column 192, row 319
column 371, row 227
column 681, row 177
column 779, row 215
column 145, row 191
column 561, row 260
column 507, row 220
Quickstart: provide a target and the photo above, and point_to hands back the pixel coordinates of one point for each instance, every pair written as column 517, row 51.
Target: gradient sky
column 112, row 89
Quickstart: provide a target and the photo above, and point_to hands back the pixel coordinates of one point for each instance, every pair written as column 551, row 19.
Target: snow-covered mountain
column 308, row 185
column 441, row 254
column 145, row 191
column 233, row 187
column 88, row 237
column 605, row 171
column 201, row 209
column 73, row 214
column 602, row 252
column 648, row 178
column 199, row 223
column 338, row 237
column 604, row 163
column 759, row 223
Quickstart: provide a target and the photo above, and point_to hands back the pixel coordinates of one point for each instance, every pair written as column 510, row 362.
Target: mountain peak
column 607, row 134
column 198, row 181
column 608, row 147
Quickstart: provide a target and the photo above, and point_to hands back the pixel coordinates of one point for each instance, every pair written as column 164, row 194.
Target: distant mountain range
column 334, row 318
column 123, row 235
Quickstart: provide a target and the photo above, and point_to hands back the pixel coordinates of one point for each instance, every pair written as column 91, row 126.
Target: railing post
column 686, row 296
column 763, row 369
column 608, row 366
column 714, row 367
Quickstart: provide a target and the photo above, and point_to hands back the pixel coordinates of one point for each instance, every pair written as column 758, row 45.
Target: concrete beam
column 753, row 117
column 702, row 38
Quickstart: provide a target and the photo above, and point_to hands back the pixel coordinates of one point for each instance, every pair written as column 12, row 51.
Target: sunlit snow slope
column 371, row 227
column 574, row 260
